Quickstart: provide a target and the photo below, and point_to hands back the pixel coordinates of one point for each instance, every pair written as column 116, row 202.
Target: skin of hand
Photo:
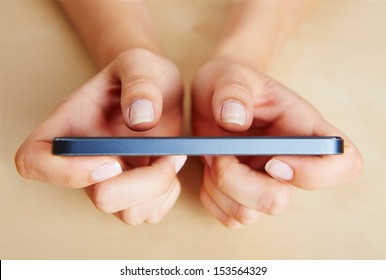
column 231, row 98
column 137, row 94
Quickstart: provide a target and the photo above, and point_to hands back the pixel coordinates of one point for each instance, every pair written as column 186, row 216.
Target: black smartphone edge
column 196, row 146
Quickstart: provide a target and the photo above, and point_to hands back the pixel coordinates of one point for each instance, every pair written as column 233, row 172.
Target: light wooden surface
column 336, row 60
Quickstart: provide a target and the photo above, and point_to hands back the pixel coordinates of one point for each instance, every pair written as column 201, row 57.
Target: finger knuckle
column 136, row 81
column 132, row 216
column 154, row 218
column 245, row 215
column 232, row 85
column 221, row 177
column 70, row 181
column 239, row 71
column 352, row 169
column 359, row 164
column 275, row 202
column 132, row 55
column 165, row 180
column 24, row 163
column 21, row 164
column 102, row 199
column 231, row 223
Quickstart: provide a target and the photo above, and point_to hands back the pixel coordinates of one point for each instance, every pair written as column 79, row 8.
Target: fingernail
column 233, row 112
column 279, row 170
column 106, row 171
column 179, row 162
column 141, row 111
column 233, row 224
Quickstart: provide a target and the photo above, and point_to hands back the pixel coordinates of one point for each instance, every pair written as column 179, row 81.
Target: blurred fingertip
column 232, row 223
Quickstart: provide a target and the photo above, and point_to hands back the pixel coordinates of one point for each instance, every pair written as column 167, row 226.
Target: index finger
column 314, row 172
column 34, row 159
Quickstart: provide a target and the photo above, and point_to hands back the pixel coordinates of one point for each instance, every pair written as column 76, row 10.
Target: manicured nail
column 106, row 171
column 279, row 170
column 233, row 112
column 141, row 111
column 179, row 162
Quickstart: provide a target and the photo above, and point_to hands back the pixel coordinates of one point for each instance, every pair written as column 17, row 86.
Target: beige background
column 336, row 60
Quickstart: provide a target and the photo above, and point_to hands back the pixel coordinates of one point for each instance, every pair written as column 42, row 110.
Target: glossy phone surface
column 155, row 146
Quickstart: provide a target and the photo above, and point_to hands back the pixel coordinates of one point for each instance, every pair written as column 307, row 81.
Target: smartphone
column 157, row 146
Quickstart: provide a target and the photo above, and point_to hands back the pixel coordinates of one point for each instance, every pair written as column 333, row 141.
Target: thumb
column 141, row 103
column 141, row 96
column 232, row 102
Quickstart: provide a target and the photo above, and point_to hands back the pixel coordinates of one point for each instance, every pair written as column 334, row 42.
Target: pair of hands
column 140, row 94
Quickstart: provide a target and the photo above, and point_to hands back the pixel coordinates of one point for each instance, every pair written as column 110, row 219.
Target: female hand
column 138, row 94
column 230, row 98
